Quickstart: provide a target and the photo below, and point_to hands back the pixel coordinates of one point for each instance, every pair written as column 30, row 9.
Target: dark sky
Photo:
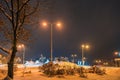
column 93, row 22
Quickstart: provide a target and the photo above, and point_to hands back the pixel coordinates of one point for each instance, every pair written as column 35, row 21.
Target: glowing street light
column 116, row 53
column 84, row 47
column 44, row 24
column 51, row 36
column 58, row 24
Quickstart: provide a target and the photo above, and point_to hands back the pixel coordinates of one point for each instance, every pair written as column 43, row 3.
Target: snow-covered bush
column 62, row 68
column 97, row 70
column 67, row 68
column 82, row 72
column 49, row 69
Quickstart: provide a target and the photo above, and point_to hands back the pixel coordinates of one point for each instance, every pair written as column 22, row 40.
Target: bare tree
column 13, row 30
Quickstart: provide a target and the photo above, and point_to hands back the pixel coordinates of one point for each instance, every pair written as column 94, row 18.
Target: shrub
column 60, row 71
column 97, row 70
column 70, row 71
column 49, row 69
column 82, row 72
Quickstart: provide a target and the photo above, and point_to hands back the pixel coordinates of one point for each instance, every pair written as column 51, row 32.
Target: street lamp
column 73, row 56
column 84, row 47
column 98, row 62
column 116, row 53
column 22, row 46
column 51, row 36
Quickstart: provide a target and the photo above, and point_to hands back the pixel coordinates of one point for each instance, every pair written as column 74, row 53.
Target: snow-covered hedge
column 68, row 68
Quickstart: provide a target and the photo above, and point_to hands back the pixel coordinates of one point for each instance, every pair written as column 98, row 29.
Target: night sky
column 93, row 22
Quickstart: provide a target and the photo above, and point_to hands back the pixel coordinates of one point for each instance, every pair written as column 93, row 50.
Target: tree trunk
column 11, row 61
column 11, row 64
column 10, row 70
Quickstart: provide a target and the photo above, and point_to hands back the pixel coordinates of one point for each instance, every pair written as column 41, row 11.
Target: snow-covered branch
column 6, row 1
column 5, row 13
column 5, row 50
column 23, row 5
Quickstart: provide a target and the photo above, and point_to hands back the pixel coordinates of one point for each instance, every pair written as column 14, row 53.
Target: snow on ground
column 112, row 73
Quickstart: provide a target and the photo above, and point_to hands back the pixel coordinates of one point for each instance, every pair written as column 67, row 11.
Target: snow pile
column 67, row 64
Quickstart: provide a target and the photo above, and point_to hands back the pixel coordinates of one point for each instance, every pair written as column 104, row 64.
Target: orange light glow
column 87, row 46
column 21, row 46
column 44, row 24
column 116, row 53
column 83, row 46
column 58, row 25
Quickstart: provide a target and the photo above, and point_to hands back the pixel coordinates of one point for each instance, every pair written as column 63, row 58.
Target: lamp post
column 51, row 42
column 22, row 46
column 84, row 47
column 51, row 36
column 73, row 56
column 117, row 58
